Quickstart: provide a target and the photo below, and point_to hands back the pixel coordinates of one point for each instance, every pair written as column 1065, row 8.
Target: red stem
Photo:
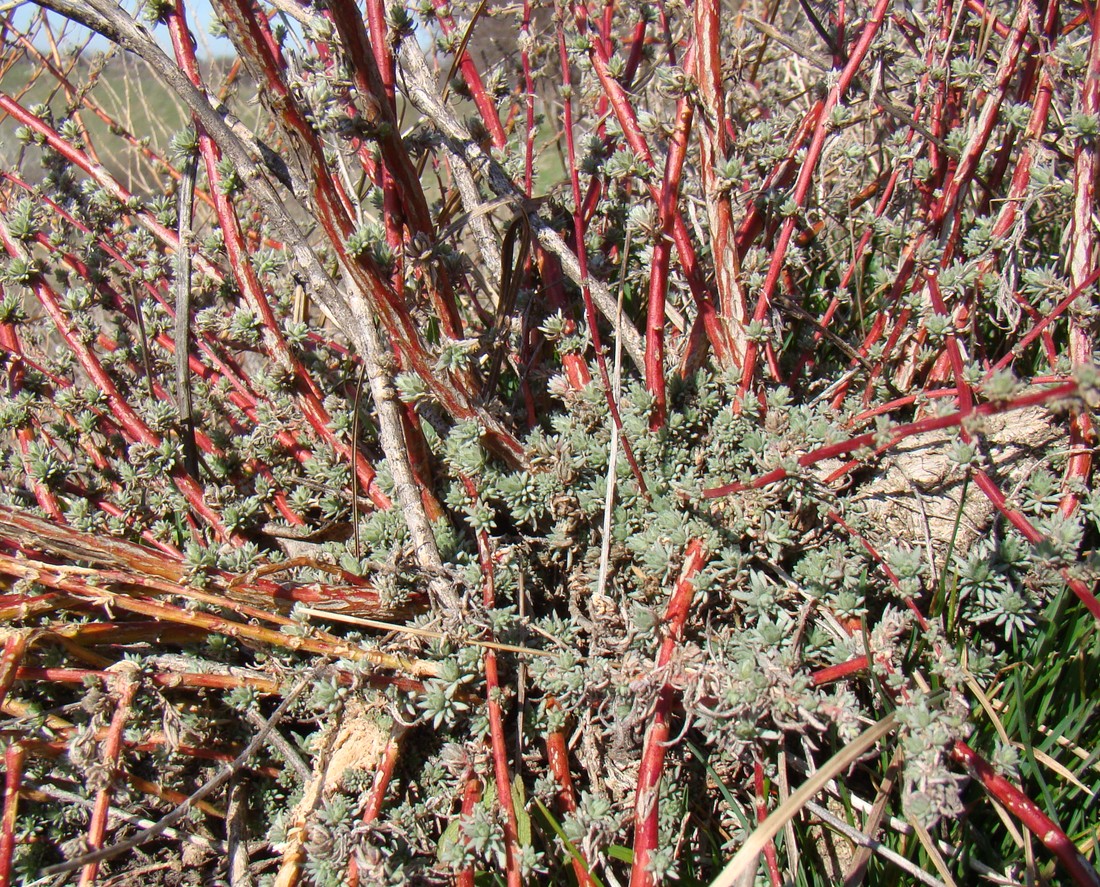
column 667, row 210
column 471, row 794
column 897, row 434
column 15, row 646
column 221, row 363
column 646, row 812
column 493, row 693
column 329, row 209
column 628, row 121
column 933, row 423
column 47, row 500
column 245, row 276
column 890, row 574
column 985, row 483
column 132, row 424
column 1082, row 264
column 501, row 773
column 771, row 858
column 805, row 179
column 713, row 148
column 167, row 680
column 112, row 745
column 225, row 368
column 557, row 761
column 383, row 775
column 486, row 105
column 1028, row 812
column 14, row 756
column 838, row 672
column 582, row 260
column 1040, row 327
column 97, row 173
column 87, row 102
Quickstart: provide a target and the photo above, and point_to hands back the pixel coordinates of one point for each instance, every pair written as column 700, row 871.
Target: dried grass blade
column 769, row 828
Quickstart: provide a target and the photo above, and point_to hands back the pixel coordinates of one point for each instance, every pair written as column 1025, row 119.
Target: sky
column 199, row 14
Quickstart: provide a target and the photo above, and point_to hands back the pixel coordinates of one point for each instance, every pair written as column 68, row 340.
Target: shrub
column 504, row 444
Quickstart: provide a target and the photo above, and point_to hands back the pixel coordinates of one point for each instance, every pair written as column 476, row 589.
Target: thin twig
column 424, row 632
column 421, row 92
column 186, row 202
column 236, row 835
column 354, row 474
column 857, row 837
column 126, row 685
column 208, row 788
column 282, row 746
column 46, row 790
column 750, row 850
column 613, row 447
column 391, row 436
column 857, row 868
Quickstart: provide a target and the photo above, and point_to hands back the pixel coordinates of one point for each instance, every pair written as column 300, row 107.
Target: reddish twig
column 646, row 797
column 14, row 756
column 632, row 133
column 485, row 104
column 982, row 479
column 658, row 279
column 126, row 685
column 771, row 858
column 376, row 797
column 713, row 146
column 166, row 680
column 839, row 672
column 494, row 694
column 984, row 482
column 1082, row 265
column 885, row 567
column 128, row 419
column 471, row 794
column 872, row 441
column 1028, row 812
column 245, row 275
column 557, row 760
column 805, row 178
column 15, row 647
column 582, row 259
